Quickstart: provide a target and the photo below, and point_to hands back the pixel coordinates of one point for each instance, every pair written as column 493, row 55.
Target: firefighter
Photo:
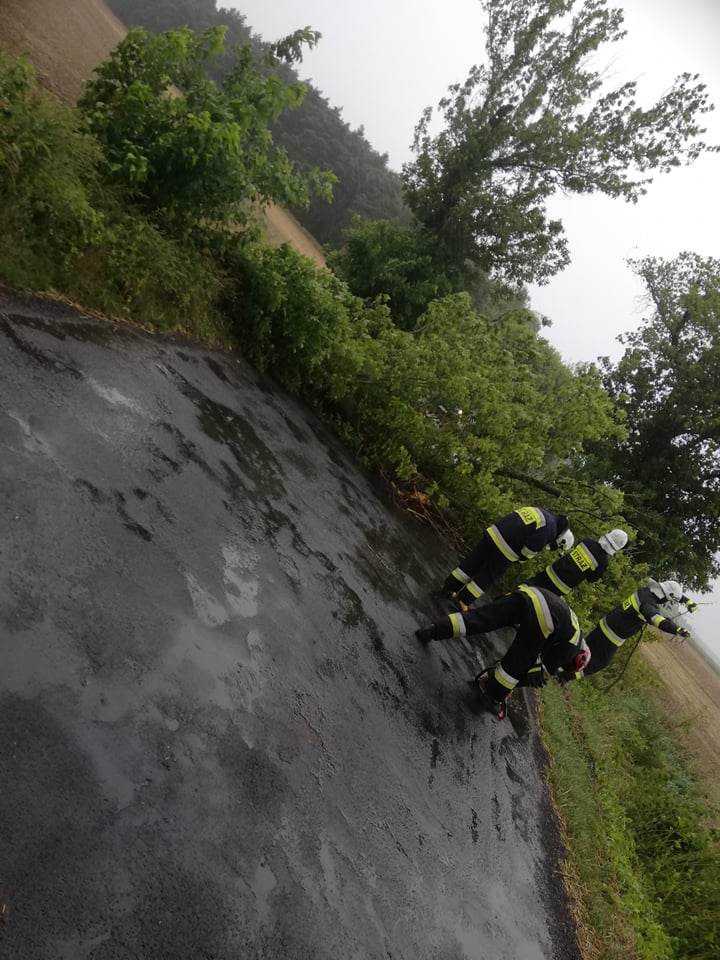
column 588, row 560
column 520, row 535
column 648, row 605
column 548, row 635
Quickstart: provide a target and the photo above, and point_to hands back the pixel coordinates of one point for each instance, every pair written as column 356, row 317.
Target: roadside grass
column 642, row 863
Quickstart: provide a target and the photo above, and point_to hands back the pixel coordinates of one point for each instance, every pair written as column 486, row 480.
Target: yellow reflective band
column 583, row 559
column 460, row 575
column 458, row 625
column 531, row 517
column 528, row 553
column 552, row 576
column 504, row 678
column 657, row 620
column 542, row 611
column 473, row 589
column 610, row 633
column 503, row 546
column 633, row 603
column 576, row 628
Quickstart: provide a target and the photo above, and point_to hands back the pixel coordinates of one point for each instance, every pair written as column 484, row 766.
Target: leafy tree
column 314, row 134
column 539, row 117
column 64, row 230
column 668, row 386
column 184, row 149
column 382, row 259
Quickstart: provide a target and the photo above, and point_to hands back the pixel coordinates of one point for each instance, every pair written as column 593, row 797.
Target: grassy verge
column 642, row 863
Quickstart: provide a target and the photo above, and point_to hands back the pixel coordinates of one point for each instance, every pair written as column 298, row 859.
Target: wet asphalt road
column 219, row 737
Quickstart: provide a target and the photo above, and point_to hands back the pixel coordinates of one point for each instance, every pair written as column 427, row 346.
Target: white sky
column 383, row 61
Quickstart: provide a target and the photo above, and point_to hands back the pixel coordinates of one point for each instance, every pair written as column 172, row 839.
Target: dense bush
column 47, row 176
column 65, row 230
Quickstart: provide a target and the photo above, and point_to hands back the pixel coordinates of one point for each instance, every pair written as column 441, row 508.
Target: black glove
column 691, row 605
column 535, row 677
column 683, row 632
column 564, row 676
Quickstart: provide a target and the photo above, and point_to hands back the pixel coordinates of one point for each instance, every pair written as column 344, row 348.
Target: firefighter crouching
column 548, row 636
column 520, row 535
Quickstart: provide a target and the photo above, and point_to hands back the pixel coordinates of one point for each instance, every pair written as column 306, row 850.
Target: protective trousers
column 477, row 571
column 513, row 608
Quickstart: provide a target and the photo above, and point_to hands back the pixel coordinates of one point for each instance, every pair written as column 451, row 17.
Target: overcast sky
column 383, row 61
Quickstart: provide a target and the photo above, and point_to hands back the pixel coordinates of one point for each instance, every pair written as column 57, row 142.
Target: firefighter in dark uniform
column 548, row 635
column 643, row 607
column 588, row 560
column 520, row 535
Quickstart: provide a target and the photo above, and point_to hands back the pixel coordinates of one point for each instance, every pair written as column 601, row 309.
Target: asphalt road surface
column 219, row 739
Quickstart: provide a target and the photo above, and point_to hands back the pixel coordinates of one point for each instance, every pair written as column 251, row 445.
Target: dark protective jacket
column 519, row 535
column 639, row 609
column 523, row 533
column 546, row 628
column 586, row 561
column 557, row 623
column 548, row 632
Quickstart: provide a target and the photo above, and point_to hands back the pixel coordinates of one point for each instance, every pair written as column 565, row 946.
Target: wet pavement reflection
column 220, row 737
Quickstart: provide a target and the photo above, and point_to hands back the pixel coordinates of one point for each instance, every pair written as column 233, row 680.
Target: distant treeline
column 314, row 134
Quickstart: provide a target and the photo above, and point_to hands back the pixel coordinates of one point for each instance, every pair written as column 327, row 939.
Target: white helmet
column 613, row 541
column 672, row 590
column 565, row 540
column 667, row 590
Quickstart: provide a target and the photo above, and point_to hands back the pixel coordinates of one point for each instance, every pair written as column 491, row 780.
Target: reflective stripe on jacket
column 558, row 624
column 522, row 534
column 586, row 561
column 634, row 612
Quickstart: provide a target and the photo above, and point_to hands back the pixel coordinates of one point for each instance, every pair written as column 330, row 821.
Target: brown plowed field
column 65, row 40
column 281, row 227
column 690, row 692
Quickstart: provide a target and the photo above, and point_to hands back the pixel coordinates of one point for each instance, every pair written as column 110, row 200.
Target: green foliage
column 538, row 117
column 47, row 166
column 645, row 864
column 469, row 413
column 63, row 230
column 185, row 150
column 668, row 386
column 134, row 271
column 380, row 258
column 290, row 318
column 314, row 133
